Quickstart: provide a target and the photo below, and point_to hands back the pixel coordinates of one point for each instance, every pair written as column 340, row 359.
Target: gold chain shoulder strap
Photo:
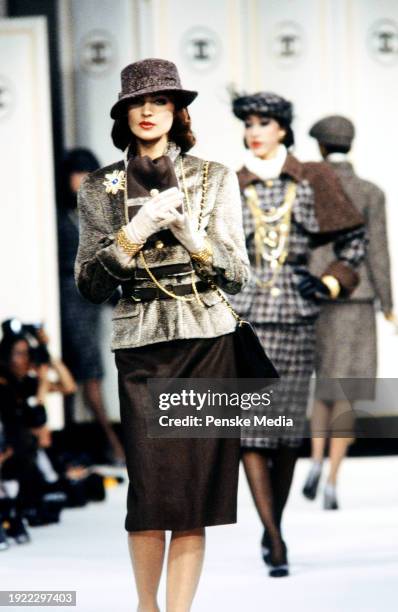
column 212, row 284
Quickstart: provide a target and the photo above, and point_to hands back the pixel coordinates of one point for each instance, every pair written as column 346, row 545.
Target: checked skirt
column 291, row 349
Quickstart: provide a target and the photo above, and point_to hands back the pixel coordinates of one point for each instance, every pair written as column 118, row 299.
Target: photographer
column 25, row 366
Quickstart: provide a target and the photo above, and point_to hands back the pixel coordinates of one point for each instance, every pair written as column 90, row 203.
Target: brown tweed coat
column 340, row 327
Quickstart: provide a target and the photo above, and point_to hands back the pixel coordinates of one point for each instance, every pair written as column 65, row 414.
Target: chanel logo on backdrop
column 6, row 97
column 201, row 47
column 383, row 41
column 97, row 52
column 287, row 43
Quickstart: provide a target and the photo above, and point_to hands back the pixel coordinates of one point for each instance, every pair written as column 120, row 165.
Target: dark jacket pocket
column 125, row 308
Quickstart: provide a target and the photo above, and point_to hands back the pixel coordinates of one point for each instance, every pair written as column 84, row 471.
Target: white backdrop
column 29, row 275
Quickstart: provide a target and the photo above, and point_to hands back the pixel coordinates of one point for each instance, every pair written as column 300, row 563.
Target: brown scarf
column 144, row 174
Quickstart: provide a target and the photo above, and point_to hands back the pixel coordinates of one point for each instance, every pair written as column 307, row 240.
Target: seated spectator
column 24, row 385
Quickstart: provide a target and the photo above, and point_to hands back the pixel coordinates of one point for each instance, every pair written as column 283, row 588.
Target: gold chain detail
column 129, row 247
column 205, row 175
column 203, row 256
column 204, row 192
column 182, row 298
column 185, row 187
column 212, row 284
column 271, row 234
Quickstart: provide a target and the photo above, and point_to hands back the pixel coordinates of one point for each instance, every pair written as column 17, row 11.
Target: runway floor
column 340, row 561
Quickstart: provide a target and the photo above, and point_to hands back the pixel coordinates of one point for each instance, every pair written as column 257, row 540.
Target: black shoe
column 330, row 499
column 16, row 529
column 4, row 544
column 278, row 565
column 311, row 484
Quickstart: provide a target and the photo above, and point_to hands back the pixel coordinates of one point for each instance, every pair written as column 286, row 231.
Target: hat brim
column 183, row 97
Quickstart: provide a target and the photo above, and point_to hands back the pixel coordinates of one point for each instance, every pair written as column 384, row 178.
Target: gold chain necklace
column 271, row 234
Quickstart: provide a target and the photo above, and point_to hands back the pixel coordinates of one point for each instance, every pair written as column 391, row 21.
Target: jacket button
column 159, row 244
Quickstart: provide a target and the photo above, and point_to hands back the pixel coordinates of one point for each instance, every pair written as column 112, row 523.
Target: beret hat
column 263, row 103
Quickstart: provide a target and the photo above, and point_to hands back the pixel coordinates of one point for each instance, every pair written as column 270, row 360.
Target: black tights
column 270, row 473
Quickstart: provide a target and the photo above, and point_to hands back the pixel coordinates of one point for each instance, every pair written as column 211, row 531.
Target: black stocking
column 283, row 462
column 269, row 474
column 258, row 473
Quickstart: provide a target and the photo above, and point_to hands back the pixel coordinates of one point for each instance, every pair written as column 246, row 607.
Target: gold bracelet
column 129, row 247
column 203, row 256
column 332, row 284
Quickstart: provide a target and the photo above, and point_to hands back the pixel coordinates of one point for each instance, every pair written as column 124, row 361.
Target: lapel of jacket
column 113, row 204
column 193, row 171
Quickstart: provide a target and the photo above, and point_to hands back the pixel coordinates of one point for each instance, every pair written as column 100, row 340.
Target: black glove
column 310, row 286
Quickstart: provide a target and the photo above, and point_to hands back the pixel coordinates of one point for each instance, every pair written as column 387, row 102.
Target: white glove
column 154, row 215
column 184, row 230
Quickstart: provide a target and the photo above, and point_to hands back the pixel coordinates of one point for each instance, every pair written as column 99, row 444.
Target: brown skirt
column 176, row 484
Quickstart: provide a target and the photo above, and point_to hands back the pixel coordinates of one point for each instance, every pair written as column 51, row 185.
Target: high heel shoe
column 278, row 565
column 311, row 484
column 330, row 498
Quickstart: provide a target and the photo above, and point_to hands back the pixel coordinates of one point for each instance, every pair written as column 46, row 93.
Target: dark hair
column 7, row 345
column 288, row 139
column 80, row 160
column 180, row 132
column 75, row 160
column 335, row 148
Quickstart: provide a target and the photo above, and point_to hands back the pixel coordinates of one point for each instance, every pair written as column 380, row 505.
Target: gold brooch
column 115, row 181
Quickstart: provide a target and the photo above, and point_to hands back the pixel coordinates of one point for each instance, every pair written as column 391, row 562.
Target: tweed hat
column 333, row 130
column 151, row 76
column 263, row 103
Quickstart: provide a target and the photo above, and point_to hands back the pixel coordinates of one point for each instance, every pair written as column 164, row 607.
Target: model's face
column 151, row 117
column 262, row 135
column 20, row 358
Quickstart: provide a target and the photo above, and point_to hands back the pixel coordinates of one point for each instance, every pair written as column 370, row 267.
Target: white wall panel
column 29, row 275
column 204, row 40
column 104, row 41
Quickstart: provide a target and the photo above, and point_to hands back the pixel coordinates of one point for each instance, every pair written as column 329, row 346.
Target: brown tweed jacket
column 101, row 266
column 374, row 272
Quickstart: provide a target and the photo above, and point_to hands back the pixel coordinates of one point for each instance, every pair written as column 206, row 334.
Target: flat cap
column 334, row 130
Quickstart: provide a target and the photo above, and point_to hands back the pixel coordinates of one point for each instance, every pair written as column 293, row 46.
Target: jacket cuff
column 346, row 276
column 219, row 270
column 116, row 262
